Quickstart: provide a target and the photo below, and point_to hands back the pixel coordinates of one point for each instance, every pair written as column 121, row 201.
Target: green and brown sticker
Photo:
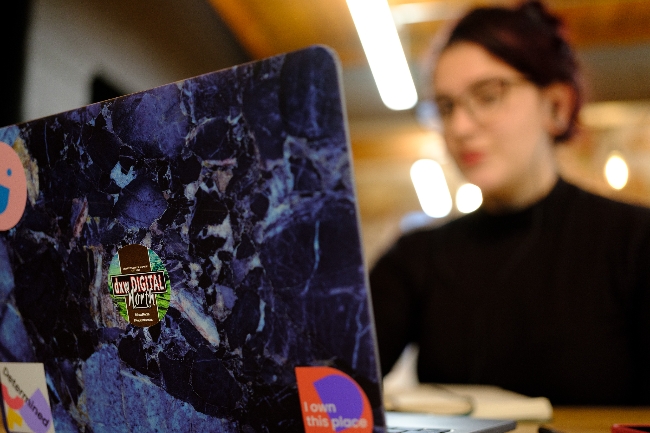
column 139, row 285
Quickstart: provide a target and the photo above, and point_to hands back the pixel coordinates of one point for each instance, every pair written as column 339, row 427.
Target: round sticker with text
column 331, row 401
column 139, row 285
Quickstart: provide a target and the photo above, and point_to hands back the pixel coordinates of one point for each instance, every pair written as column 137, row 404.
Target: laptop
column 188, row 258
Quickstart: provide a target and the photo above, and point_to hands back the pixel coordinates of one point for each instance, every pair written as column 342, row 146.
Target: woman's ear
column 561, row 100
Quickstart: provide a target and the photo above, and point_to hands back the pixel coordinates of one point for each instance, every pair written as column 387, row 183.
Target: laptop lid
column 188, row 258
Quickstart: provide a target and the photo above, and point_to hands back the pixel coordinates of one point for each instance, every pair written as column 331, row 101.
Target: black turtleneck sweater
column 553, row 300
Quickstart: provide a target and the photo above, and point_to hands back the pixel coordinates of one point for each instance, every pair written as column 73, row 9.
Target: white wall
column 134, row 45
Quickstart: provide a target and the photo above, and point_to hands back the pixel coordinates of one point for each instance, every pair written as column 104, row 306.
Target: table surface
column 589, row 419
column 580, row 419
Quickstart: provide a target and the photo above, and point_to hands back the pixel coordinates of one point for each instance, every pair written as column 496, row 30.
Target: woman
column 545, row 289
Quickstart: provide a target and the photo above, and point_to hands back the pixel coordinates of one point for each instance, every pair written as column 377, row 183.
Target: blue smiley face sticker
column 13, row 187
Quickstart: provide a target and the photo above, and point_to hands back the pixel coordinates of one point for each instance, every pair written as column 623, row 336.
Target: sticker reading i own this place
column 139, row 285
column 331, row 401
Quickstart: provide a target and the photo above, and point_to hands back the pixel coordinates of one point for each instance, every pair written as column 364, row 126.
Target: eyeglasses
column 481, row 100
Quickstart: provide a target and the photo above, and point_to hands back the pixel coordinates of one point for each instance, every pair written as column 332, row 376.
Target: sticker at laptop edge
column 330, row 400
column 13, row 187
column 139, row 285
column 26, row 402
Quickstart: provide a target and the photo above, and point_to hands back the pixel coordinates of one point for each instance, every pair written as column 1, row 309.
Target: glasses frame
column 471, row 99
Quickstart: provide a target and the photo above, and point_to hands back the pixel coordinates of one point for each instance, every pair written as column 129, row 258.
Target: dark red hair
column 529, row 39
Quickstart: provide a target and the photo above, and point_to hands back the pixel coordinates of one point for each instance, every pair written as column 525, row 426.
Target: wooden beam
column 269, row 27
column 247, row 27
column 623, row 22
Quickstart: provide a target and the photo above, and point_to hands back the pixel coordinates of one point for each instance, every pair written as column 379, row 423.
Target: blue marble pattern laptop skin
column 238, row 186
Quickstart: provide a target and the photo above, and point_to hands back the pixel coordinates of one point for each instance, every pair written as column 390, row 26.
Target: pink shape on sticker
column 13, row 402
column 36, row 413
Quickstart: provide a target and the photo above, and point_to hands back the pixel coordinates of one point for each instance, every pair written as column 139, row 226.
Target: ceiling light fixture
column 422, row 12
column 383, row 49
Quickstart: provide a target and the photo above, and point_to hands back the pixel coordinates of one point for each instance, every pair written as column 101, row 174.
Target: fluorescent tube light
column 383, row 49
column 412, row 13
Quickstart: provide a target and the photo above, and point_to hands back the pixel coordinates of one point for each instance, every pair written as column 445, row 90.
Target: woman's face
column 496, row 124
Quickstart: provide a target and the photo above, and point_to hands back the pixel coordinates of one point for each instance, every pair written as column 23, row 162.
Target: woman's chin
column 486, row 180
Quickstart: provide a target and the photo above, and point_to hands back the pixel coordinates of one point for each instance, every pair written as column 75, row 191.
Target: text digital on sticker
column 139, row 285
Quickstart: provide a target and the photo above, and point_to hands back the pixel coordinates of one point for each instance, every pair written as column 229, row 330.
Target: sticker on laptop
column 13, row 187
column 332, row 401
column 139, row 285
column 25, row 399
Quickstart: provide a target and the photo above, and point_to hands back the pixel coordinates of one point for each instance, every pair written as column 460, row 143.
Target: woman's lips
column 470, row 159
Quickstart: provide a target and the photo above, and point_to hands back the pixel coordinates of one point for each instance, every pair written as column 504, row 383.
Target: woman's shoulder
column 598, row 207
column 567, row 206
column 593, row 220
column 415, row 252
column 430, row 235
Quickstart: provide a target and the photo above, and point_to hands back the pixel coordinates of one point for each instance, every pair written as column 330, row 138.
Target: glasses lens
column 485, row 96
column 445, row 107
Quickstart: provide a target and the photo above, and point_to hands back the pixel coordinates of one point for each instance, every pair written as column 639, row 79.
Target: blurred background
column 62, row 54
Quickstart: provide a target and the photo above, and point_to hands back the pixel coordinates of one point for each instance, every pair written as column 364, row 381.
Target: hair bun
column 538, row 14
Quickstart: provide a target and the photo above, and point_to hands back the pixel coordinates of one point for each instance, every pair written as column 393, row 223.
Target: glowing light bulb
column 431, row 188
column 468, row 198
column 616, row 171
